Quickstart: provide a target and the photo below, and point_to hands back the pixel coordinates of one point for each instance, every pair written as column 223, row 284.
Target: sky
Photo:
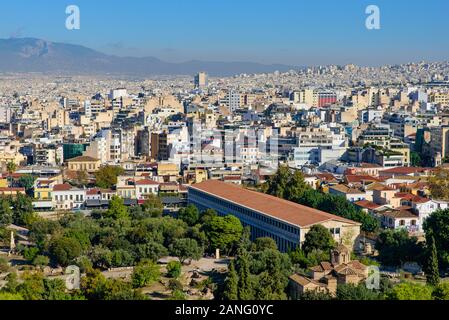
column 293, row 32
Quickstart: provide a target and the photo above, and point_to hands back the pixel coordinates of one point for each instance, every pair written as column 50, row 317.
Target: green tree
column 436, row 227
column 432, row 270
column 277, row 184
column 64, row 250
column 30, row 253
column 189, row 215
column 27, row 182
column 55, row 289
column 207, row 216
column 4, row 296
column 245, row 290
column 415, row 159
column 353, row 292
column 410, row 291
column 117, row 209
column 23, row 210
column 296, row 186
column 32, row 287
column 101, row 257
column 175, row 285
column 12, row 282
column 41, row 261
column 11, row 167
column 186, row 249
column 441, row 292
column 266, row 243
column 82, row 178
column 145, row 274
column 273, row 269
column 117, row 289
column 439, row 184
column 230, row 291
column 178, row 295
column 315, row 296
column 174, row 269
column 224, row 233
column 153, row 206
column 397, row 247
column 318, row 238
column 6, row 213
column 286, row 185
column 93, row 285
column 4, row 266
column 106, row 177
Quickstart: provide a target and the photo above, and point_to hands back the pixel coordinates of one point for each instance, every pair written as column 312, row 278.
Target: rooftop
column 277, row 208
column 83, row 159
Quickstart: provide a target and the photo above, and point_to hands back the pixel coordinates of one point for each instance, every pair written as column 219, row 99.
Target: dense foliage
column 292, row 187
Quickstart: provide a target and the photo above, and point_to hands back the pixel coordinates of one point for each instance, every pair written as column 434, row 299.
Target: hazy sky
column 296, row 32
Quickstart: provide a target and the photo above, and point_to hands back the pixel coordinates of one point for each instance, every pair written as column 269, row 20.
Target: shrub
column 174, row 269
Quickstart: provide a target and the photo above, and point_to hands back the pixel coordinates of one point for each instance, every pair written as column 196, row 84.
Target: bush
column 145, row 274
column 175, row 285
column 65, row 250
column 4, row 266
column 174, row 269
column 41, row 261
column 84, row 263
column 178, row 295
column 30, row 253
column 410, row 291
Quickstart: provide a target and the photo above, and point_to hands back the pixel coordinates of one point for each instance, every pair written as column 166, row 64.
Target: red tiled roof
column 83, row 159
column 146, row 182
column 325, row 176
column 367, row 204
column 411, row 197
column 418, row 199
column 405, row 170
column 360, row 178
column 11, row 175
column 12, row 189
column 62, row 187
column 235, row 178
column 284, row 210
column 92, row 192
column 404, row 195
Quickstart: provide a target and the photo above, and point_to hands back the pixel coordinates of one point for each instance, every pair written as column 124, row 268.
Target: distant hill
column 36, row 55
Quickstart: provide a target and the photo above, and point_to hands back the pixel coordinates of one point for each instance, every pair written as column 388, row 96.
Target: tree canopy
column 318, row 238
column 106, row 177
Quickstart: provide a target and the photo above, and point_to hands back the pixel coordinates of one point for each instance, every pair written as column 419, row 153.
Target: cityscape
column 133, row 178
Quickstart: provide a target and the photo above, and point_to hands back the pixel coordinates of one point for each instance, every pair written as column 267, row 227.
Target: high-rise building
column 5, row 114
column 232, row 100
column 201, row 80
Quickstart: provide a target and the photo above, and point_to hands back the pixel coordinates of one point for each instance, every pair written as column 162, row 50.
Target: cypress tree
column 433, row 274
column 231, row 284
column 244, row 289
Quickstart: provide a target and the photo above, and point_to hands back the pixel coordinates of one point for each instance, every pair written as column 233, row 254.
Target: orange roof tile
column 280, row 209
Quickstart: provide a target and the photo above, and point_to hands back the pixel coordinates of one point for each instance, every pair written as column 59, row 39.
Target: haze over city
column 288, row 32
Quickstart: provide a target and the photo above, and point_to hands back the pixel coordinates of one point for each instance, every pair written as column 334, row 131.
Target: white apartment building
column 317, row 146
column 66, row 197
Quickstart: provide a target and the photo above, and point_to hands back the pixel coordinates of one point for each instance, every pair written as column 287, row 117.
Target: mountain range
column 20, row 55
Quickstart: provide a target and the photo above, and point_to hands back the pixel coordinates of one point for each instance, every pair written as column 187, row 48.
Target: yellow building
column 43, row 189
column 84, row 163
column 4, row 182
column 4, row 192
column 167, row 169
